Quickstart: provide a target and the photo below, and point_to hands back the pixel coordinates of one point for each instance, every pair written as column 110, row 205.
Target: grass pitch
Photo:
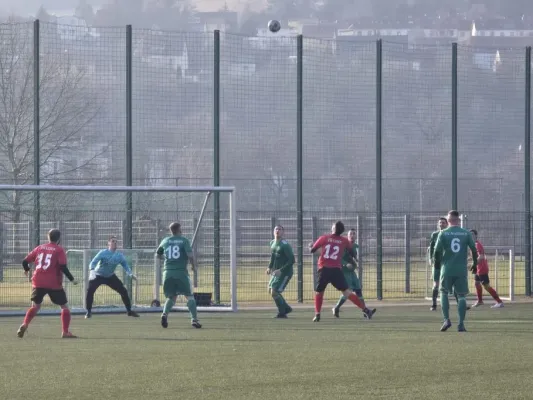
column 400, row 354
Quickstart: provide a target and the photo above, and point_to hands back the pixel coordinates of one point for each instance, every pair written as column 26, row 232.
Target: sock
column 445, row 305
column 456, row 297
column 168, row 306
column 461, row 309
column 32, row 312
column 280, row 303
column 65, row 319
column 434, row 295
column 479, row 292
column 191, row 305
column 319, row 298
column 341, row 301
column 354, row 299
column 493, row 294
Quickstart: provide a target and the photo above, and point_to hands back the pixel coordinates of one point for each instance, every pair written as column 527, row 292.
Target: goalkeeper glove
column 473, row 268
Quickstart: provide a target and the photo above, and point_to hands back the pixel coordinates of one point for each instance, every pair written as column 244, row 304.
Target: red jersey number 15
column 44, row 265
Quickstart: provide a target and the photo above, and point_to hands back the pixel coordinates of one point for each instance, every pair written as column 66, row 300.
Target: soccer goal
column 501, row 273
column 139, row 216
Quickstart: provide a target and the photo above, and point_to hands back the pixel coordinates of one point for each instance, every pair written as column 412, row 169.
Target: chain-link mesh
column 491, row 87
column 16, row 112
column 83, row 132
column 339, row 95
column 172, row 115
column 416, row 127
column 258, row 120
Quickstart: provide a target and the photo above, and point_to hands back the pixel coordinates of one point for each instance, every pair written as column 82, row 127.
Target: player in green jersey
column 348, row 269
column 177, row 253
column 435, row 273
column 281, row 270
column 451, row 254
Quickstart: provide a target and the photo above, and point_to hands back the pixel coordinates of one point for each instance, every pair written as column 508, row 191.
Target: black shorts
column 483, row 279
column 333, row 276
column 57, row 296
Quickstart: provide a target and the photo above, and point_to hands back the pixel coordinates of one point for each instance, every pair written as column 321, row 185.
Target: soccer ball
column 274, row 26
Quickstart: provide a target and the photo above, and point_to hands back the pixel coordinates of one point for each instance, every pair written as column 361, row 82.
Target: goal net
column 139, row 217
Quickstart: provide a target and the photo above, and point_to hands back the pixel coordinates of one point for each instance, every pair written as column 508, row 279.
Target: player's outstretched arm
column 318, row 244
column 67, row 273
column 271, row 264
column 96, row 259
column 124, row 264
column 473, row 249
column 289, row 254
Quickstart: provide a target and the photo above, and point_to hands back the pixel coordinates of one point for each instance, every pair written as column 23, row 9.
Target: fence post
column 379, row 183
column 299, row 164
column 316, row 234
column 195, row 253
column 407, row 234
column 1, row 251
column 92, row 234
column 36, row 132
column 359, row 228
column 464, row 221
column 128, row 237
column 216, row 164
column 527, row 173
column 454, row 126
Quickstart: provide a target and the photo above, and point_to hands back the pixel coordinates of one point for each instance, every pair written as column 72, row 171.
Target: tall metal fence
column 386, row 135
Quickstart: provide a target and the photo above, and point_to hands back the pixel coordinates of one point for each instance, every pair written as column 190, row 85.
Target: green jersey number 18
column 172, row 252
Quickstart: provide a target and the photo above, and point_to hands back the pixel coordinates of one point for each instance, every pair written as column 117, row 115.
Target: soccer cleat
column 447, row 323
column 20, row 333
column 477, row 304
column 369, row 313
column 133, row 314
column 164, row 322
column 288, row 309
column 68, row 335
column 317, row 318
column 88, row 315
column 335, row 311
column 497, row 305
column 433, row 308
column 461, row 328
column 280, row 315
column 196, row 324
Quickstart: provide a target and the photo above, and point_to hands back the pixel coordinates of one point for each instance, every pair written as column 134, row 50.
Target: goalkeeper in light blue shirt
column 102, row 272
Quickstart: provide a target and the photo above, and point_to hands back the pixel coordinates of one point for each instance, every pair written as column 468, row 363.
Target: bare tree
column 66, row 111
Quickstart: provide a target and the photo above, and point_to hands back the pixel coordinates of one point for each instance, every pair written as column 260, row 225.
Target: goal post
column 88, row 215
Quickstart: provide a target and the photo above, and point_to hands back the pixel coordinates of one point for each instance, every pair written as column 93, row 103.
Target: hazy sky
column 29, row 7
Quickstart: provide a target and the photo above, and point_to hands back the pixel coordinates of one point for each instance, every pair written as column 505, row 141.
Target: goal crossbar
column 69, row 188
column 156, row 189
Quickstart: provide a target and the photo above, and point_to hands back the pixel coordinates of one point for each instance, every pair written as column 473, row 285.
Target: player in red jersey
column 50, row 264
column 482, row 275
column 330, row 268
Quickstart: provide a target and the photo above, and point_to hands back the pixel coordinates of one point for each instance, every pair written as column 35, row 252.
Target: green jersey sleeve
column 436, row 255
column 161, row 249
column 289, row 255
column 187, row 246
column 272, row 256
column 473, row 249
column 432, row 243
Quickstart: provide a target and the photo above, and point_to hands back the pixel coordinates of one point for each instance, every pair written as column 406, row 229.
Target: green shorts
column 436, row 274
column 279, row 283
column 177, row 284
column 353, row 281
column 454, row 284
